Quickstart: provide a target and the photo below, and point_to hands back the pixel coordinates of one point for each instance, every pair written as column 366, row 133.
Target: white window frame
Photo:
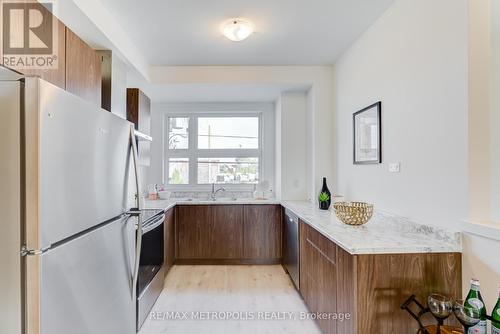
column 193, row 153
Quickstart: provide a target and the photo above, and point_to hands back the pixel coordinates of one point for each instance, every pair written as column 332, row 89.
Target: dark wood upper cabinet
column 83, row 69
column 56, row 75
column 139, row 113
column 169, row 244
column 139, row 110
column 226, row 237
column 262, row 232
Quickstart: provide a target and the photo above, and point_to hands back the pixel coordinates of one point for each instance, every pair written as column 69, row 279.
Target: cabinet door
column 226, row 237
column 139, row 113
column 262, row 232
column 83, row 69
column 139, row 110
column 169, row 244
column 193, row 231
column 318, row 274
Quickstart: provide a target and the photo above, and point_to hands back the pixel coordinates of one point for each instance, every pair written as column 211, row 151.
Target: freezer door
column 78, row 178
column 86, row 283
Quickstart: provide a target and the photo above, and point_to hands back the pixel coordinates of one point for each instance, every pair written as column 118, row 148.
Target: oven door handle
column 154, row 224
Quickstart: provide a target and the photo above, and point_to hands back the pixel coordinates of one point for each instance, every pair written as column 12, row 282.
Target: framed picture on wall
column 367, row 126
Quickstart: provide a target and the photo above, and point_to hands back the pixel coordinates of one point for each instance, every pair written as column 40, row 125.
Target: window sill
column 486, row 230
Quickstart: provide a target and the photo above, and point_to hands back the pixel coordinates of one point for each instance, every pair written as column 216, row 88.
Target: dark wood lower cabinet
column 318, row 274
column 352, row 294
column 384, row 281
column 262, row 231
column 169, row 244
column 370, row 288
column 193, row 231
column 228, row 234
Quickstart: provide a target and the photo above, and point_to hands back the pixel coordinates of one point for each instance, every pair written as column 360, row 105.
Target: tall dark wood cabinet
column 83, row 69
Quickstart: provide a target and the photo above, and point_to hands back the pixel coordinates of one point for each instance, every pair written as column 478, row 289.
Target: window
column 228, row 170
column 214, row 148
column 178, row 171
column 178, row 130
column 228, row 132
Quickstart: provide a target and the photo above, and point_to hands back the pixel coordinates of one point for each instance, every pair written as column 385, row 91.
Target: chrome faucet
column 213, row 196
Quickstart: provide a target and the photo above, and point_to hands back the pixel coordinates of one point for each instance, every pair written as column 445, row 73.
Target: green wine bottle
column 475, row 299
column 495, row 317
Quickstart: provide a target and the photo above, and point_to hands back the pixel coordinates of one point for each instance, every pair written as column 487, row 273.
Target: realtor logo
column 29, row 35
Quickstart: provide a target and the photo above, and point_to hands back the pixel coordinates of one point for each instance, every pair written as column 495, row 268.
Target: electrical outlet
column 395, row 167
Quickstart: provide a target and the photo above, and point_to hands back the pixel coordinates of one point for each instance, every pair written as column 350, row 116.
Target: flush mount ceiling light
column 237, row 29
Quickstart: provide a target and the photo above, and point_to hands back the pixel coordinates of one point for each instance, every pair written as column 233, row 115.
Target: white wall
column 479, row 110
column 277, row 148
column 291, row 143
column 482, row 243
column 414, row 60
column 418, row 60
column 495, row 112
column 118, row 86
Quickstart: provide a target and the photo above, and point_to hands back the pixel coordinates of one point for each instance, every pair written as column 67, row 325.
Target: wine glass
column 440, row 307
column 467, row 314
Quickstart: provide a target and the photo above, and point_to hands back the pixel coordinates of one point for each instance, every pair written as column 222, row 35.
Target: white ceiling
column 180, row 93
column 288, row 32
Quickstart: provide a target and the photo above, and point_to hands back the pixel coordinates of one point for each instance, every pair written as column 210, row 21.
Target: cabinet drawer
column 323, row 245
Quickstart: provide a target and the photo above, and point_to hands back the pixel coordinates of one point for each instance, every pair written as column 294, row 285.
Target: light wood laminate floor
column 252, row 296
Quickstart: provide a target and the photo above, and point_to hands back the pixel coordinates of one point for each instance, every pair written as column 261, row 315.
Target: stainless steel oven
column 151, row 275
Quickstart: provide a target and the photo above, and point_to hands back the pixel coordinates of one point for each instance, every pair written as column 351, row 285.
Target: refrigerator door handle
column 135, row 156
column 138, row 234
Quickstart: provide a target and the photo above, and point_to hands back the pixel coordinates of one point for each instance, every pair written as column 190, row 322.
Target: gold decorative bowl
column 353, row 213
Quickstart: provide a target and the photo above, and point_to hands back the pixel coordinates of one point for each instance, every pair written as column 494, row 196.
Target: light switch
column 395, row 167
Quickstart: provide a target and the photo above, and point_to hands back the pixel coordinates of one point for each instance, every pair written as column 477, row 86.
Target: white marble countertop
column 383, row 234
column 169, row 203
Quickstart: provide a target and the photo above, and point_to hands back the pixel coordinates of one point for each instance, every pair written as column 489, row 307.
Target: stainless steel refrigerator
column 67, row 242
